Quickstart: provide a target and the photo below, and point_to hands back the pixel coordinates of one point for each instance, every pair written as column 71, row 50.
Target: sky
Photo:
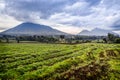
column 71, row 16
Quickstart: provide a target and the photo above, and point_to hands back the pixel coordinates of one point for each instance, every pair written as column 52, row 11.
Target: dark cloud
column 43, row 8
column 22, row 9
column 93, row 2
column 116, row 25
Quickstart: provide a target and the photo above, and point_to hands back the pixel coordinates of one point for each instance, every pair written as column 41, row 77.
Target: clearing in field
column 31, row 61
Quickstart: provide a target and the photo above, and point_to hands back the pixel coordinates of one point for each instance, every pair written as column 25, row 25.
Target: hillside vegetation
column 32, row 61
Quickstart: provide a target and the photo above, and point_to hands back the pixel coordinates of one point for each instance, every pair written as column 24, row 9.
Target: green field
column 36, row 61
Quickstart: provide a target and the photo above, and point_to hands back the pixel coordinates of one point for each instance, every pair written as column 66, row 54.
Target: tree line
column 110, row 38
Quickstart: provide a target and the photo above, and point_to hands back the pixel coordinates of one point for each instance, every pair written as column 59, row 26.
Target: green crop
column 33, row 61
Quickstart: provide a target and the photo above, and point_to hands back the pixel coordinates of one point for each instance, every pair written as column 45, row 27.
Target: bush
column 77, row 41
column 87, row 41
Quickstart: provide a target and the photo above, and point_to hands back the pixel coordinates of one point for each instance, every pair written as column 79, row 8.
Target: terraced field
column 32, row 61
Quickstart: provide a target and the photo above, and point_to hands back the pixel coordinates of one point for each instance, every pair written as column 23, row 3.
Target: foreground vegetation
column 32, row 61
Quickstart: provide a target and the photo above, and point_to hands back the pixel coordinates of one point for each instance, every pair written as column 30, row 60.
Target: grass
column 27, row 61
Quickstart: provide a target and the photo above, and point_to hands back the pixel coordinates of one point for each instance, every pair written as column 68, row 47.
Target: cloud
column 64, row 14
column 2, row 6
column 116, row 25
column 2, row 28
column 42, row 7
column 102, row 15
column 7, row 22
column 78, row 8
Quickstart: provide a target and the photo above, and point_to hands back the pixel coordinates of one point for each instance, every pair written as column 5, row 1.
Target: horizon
column 64, row 15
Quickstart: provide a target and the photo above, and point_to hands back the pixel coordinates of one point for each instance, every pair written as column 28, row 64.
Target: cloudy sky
column 70, row 16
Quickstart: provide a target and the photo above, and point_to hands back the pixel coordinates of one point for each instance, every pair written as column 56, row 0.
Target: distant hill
column 0, row 35
column 96, row 32
column 32, row 29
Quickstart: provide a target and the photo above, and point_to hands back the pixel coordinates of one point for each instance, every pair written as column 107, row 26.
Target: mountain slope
column 96, row 32
column 32, row 29
column 84, row 32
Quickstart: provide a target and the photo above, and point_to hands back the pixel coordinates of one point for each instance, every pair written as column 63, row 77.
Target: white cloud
column 65, row 28
column 68, row 29
column 2, row 4
column 76, row 6
column 118, row 32
column 7, row 22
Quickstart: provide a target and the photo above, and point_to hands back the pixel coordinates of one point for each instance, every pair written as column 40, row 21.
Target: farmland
column 37, row 61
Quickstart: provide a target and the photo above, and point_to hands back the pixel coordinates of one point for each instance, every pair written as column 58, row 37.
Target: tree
column 62, row 37
column 105, row 40
column 117, row 40
column 111, row 37
column 17, row 39
column 6, row 38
